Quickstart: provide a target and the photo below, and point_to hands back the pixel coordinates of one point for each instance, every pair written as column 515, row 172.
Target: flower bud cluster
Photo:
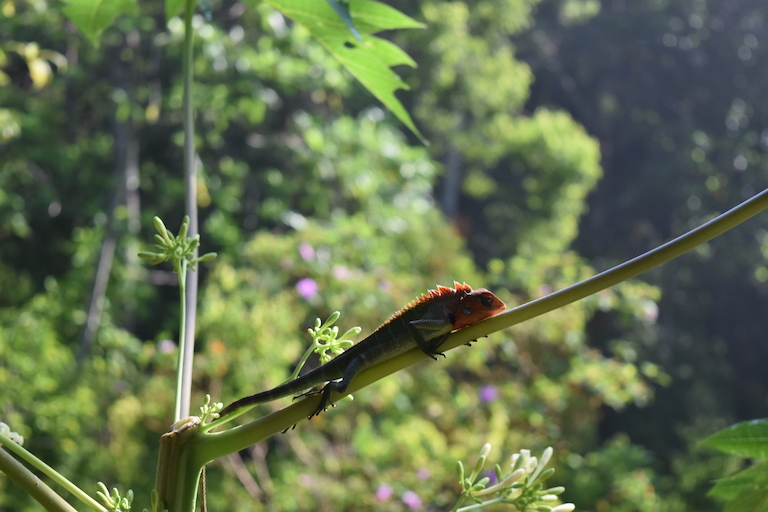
column 522, row 486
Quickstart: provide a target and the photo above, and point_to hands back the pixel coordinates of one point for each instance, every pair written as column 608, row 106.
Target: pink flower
column 384, row 492
column 411, row 500
column 306, row 251
column 307, row 288
column 340, row 272
column 166, row 346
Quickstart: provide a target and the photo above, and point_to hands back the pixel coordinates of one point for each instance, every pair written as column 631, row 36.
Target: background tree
column 672, row 91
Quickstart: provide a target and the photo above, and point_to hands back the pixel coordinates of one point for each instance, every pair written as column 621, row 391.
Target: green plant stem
column 478, row 506
column 22, row 476
column 302, row 362
column 222, row 443
column 27, row 480
column 178, row 471
column 187, row 342
column 182, row 409
column 623, row 272
column 176, row 480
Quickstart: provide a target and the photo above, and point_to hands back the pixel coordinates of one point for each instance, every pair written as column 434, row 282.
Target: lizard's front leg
column 429, row 347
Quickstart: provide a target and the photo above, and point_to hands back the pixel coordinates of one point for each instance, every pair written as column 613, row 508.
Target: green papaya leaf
column 92, row 17
column 746, row 439
column 754, row 499
column 172, row 8
column 342, row 9
column 370, row 60
column 742, row 481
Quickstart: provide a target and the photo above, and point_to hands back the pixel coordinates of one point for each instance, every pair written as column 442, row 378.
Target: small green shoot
column 114, row 502
column 210, row 411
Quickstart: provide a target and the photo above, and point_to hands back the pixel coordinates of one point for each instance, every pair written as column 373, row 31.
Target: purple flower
column 488, row 394
column 411, row 500
column 423, row 473
column 492, row 480
column 384, row 492
column 307, row 288
column 306, row 251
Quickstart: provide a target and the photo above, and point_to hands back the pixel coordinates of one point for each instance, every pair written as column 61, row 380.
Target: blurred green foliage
column 317, row 202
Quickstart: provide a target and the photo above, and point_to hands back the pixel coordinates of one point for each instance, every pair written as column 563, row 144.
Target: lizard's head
column 476, row 305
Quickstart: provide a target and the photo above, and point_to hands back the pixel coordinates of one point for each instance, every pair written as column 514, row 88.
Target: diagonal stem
column 221, row 443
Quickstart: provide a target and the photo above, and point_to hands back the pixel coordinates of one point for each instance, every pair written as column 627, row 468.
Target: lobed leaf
column 92, row 17
column 746, row 439
column 730, row 487
column 370, row 60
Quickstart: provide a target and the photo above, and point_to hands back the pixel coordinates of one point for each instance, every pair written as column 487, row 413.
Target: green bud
column 545, row 456
column 160, row 227
column 543, row 476
column 184, row 228
column 484, row 451
column 351, row 333
column 480, row 484
column 193, row 243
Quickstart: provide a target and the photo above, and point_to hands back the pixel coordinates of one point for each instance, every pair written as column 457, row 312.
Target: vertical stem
column 187, row 347
column 181, row 410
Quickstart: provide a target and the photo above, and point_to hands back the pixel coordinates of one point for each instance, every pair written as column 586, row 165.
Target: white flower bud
column 546, row 456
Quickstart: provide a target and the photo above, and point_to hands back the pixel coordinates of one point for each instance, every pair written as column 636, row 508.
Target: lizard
column 424, row 323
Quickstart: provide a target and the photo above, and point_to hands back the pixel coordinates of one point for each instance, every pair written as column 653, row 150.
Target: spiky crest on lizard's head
column 462, row 312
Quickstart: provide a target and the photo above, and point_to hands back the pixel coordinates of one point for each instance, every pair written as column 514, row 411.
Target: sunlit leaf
column 746, row 439
column 753, row 499
column 342, row 9
column 92, row 17
column 369, row 61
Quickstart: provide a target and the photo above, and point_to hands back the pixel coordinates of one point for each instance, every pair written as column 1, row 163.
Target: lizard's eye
column 487, row 301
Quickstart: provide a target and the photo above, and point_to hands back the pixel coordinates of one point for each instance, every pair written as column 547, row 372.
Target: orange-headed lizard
column 424, row 323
